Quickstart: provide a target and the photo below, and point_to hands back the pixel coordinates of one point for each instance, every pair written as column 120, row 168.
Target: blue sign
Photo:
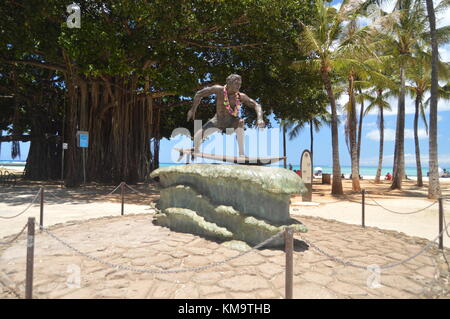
column 83, row 139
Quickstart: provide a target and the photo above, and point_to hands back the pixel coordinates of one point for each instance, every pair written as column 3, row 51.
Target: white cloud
column 370, row 124
column 444, row 52
column 443, row 106
column 389, row 134
column 410, row 160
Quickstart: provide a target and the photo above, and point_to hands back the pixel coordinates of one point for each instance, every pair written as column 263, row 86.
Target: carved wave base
column 185, row 203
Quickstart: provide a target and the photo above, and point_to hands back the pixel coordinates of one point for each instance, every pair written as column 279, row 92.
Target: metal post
column 441, row 224
column 363, row 192
column 84, row 166
column 62, row 166
column 41, row 216
column 30, row 259
column 289, row 248
column 122, row 191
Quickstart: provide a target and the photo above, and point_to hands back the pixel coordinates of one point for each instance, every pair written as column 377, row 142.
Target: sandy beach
column 89, row 219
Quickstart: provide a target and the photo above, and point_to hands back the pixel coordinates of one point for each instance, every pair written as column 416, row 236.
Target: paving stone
column 268, row 294
column 312, row 257
column 117, row 283
column 163, row 289
column 279, row 280
column 402, row 283
column 243, row 295
column 247, row 260
column 178, row 254
column 197, row 251
column 244, row 283
column 218, row 296
column 317, row 278
column 347, row 289
column 194, row 261
column 427, row 271
column 324, row 270
column 178, row 278
column 109, row 293
column 139, row 262
column 207, row 278
column 422, row 260
column 268, row 270
column 270, row 252
column 139, row 289
column 309, row 290
column 169, row 264
column 392, row 293
column 279, row 260
column 73, row 293
column 188, row 291
column 210, row 289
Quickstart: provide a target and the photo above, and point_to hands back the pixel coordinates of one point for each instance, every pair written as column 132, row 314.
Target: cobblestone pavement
column 134, row 241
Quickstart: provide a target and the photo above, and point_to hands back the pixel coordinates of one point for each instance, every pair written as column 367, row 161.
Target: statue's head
column 234, row 82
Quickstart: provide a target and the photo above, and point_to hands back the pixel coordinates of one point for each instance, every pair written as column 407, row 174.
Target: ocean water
column 346, row 170
column 12, row 163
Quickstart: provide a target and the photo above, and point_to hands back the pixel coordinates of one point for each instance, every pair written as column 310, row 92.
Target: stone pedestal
column 228, row 202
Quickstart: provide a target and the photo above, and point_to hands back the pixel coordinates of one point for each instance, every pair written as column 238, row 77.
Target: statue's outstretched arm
column 207, row 91
column 255, row 105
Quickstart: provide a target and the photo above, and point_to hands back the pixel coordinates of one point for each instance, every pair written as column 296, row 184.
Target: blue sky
column 322, row 139
column 370, row 143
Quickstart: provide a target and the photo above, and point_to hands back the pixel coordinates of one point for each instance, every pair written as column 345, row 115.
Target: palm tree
column 419, row 73
column 379, row 102
column 354, row 52
column 407, row 28
column 318, row 40
column 434, row 189
column 407, row 31
column 315, row 124
column 284, row 125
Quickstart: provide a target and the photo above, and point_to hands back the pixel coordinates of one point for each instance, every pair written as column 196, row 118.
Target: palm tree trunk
column 284, row 145
column 399, row 156
column 434, row 189
column 416, row 141
column 352, row 131
column 380, row 156
column 361, row 116
column 311, row 136
column 336, row 187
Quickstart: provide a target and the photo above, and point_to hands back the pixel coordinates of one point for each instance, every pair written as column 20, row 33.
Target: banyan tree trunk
column 119, row 126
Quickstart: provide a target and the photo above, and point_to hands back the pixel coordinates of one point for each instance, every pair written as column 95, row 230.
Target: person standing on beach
column 228, row 104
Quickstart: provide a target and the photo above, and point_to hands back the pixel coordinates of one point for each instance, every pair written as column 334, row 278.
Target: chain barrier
column 355, row 201
column 387, row 266
column 400, row 213
column 17, row 236
column 28, row 207
column 60, row 198
column 151, row 271
column 7, row 285
column 445, row 222
column 136, row 191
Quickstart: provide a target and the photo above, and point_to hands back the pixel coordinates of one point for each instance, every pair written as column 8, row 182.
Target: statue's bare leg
column 240, row 137
column 202, row 134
